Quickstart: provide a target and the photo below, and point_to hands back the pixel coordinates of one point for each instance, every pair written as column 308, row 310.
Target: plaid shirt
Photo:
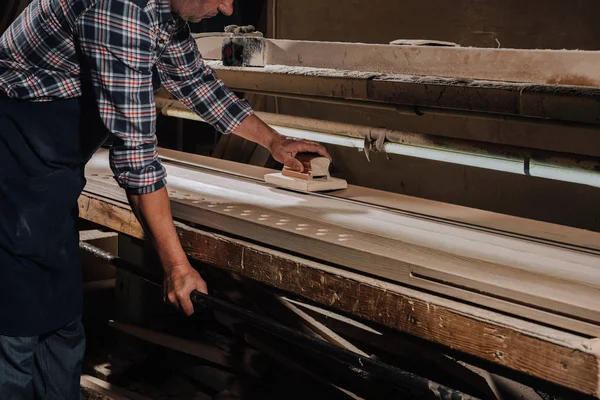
column 55, row 46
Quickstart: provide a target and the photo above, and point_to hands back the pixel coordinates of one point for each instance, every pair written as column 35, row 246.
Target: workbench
column 424, row 279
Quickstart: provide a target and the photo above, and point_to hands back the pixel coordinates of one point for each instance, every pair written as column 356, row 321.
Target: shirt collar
column 164, row 11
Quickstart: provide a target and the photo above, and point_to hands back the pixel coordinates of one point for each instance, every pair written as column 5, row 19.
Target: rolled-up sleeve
column 116, row 43
column 185, row 75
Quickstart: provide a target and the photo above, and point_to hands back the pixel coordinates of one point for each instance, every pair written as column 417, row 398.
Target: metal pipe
column 542, row 164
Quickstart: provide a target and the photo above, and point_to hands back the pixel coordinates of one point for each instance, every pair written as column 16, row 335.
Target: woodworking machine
column 514, row 293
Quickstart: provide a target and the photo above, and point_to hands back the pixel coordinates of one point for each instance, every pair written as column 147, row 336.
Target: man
column 71, row 73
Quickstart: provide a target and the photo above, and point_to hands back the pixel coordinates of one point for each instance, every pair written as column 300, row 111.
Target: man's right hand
column 180, row 281
column 153, row 210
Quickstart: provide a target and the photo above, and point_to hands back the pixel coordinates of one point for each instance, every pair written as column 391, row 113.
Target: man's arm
column 283, row 149
column 115, row 38
column 154, row 213
column 185, row 75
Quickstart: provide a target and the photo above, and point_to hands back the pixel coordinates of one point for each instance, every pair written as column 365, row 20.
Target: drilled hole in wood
column 324, row 230
column 321, row 233
column 345, row 235
column 303, row 225
column 263, row 219
column 300, row 229
column 281, row 223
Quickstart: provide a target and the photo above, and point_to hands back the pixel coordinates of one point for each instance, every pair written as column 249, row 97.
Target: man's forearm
column 255, row 130
column 154, row 213
column 283, row 149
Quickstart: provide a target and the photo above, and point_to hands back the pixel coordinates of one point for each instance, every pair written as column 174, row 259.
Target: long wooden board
column 553, row 285
column 475, row 97
column 565, row 67
column 549, row 354
column 558, row 235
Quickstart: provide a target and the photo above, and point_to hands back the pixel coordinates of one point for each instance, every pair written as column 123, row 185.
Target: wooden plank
column 110, row 390
column 473, row 96
column 313, row 185
column 512, row 275
column 507, row 224
column 549, row 354
column 323, row 330
column 501, row 223
column 566, row 67
column 511, row 65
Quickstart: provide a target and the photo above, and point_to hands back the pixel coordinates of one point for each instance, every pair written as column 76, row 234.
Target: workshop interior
column 450, row 249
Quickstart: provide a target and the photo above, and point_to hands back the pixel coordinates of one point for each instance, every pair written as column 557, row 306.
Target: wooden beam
column 110, row 390
column 565, row 67
column 429, row 95
column 549, row 354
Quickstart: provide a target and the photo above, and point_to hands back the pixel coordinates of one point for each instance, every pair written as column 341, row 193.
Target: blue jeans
column 43, row 367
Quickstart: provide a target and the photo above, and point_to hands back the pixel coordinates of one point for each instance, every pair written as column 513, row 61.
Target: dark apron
column 44, row 147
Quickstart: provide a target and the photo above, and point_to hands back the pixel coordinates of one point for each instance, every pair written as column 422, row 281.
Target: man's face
column 197, row 10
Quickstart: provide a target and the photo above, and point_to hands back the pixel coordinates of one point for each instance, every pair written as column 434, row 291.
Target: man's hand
column 283, row 149
column 180, row 281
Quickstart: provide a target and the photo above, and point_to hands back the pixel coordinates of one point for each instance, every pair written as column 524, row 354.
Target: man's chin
column 198, row 19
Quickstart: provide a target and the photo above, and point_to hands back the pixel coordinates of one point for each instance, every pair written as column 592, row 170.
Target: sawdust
column 551, row 89
column 305, row 71
column 555, row 89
